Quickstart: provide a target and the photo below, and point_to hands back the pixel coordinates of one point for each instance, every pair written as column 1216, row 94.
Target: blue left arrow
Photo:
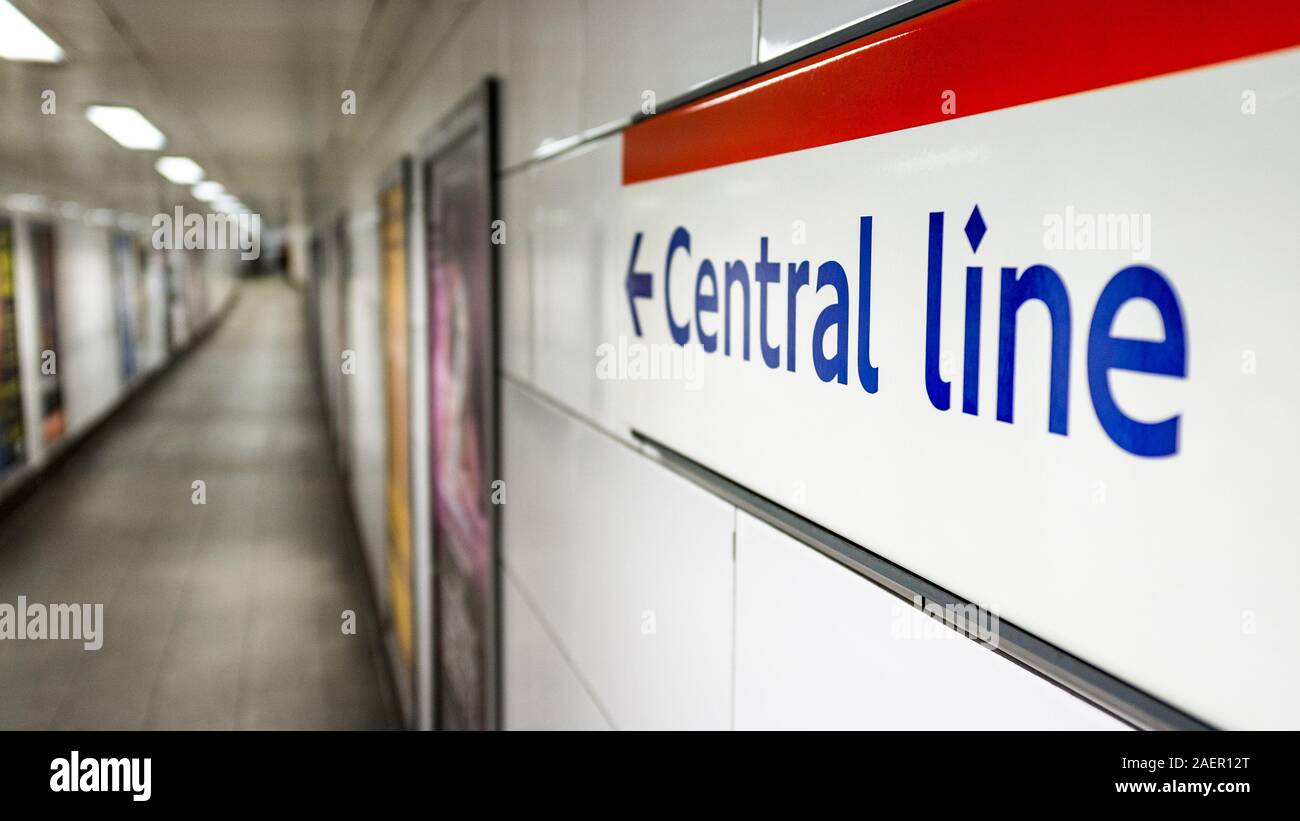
column 639, row 285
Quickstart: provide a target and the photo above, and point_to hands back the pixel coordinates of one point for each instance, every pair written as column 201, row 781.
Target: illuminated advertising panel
column 53, row 418
column 122, row 258
column 11, row 400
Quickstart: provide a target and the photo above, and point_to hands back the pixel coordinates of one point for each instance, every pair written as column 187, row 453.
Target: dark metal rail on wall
column 1090, row 683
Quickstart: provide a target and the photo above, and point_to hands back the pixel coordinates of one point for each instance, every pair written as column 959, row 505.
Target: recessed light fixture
column 21, row 39
column 126, row 125
column 228, row 203
column 180, row 170
column 208, row 191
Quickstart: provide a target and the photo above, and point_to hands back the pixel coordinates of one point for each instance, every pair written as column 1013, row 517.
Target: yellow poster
column 393, row 265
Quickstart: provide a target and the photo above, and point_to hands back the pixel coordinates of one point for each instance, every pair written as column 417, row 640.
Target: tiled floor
column 223, row 615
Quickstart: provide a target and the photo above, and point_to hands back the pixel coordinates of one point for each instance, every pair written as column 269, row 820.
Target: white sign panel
column 1040, row 353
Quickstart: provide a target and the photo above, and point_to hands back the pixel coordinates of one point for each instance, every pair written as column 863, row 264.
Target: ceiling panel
column 248, row 88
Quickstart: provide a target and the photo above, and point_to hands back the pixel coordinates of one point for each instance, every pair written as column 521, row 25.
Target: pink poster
column 462, row 327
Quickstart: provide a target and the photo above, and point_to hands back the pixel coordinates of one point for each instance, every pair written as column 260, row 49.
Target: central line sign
column 1003, row 293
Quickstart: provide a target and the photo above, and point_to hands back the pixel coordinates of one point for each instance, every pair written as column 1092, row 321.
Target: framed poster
column 11, row 398
column 171, row 338
column 461, row 261
column 343, row 270
column 196, row 292
column 122, row 258
column 316, row 257
column 53, row 419
column 394, row 231
column 141, row 252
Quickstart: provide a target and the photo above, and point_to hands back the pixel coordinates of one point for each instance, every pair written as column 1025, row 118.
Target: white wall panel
column 365, row 387
column 820, row 647
column 27, row 313
column 182, row 324
column 516, row 275
column 153, row 353
column 331, row 346
column 573, row 238
column 541, row 76
column 629, row 564
column 89, row 351
column 788, row 24
column 222, row 270
column 663, row 46
column 541, row 690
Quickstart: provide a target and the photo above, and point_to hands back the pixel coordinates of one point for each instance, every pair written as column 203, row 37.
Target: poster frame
column 16, row 455
column 476, row 112
column 401, row 172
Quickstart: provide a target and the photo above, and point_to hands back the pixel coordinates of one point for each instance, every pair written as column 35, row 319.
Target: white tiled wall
column 630, row 566
column 572, row 238
column 89, row 355
column 27, row 311
column 365, row 389
column 542, row 691
column 788, row 24
column 818, row 646
column 541, row 67
column 516, row 282
column 662, row 46
column 621, row 577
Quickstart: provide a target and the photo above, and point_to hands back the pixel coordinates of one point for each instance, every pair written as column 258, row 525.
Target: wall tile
column 516, row 276
column 366, row 397
column 541, row 76
column 788, row 24
column 663, row 46
column 573, row 243
column 541, row 690
column 629, row 564
column 818, row 646
column 89, row 358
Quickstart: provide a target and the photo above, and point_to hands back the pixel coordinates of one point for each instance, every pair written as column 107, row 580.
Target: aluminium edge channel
column 1087, row 681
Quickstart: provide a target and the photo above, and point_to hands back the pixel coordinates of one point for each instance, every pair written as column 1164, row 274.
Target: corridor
column 223, row 615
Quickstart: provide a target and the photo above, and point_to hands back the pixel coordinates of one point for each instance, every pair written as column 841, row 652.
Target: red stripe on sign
column 992, row 54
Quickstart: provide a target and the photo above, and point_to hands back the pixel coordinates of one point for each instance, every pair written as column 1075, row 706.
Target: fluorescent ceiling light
column 21, row 39
column 128, row 126
column 228, row 203
column 180, row 170
column 208, row 191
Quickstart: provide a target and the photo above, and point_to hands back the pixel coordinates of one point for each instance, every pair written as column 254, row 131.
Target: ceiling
column 250, row 89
